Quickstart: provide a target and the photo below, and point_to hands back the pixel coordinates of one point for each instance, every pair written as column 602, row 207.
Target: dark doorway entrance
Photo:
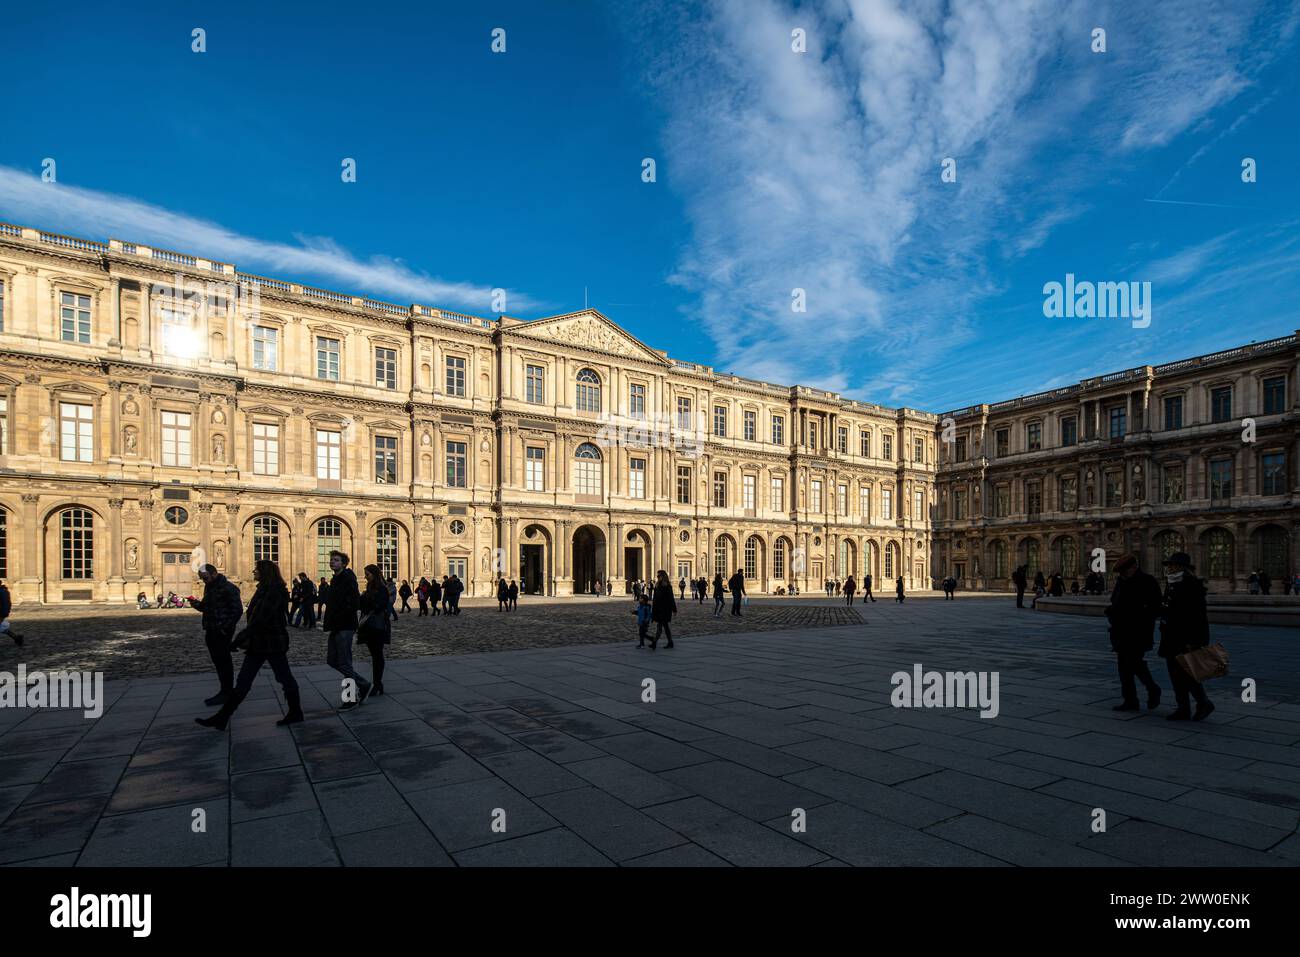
column 588, row 560
column 532, row 569
column 632, row 566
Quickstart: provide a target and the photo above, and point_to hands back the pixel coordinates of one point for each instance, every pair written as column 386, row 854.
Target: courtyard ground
column 553, row 743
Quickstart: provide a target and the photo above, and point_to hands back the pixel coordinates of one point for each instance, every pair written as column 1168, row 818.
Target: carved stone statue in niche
column 219, row 554
column 218, row 417
column 426, row 440
column 426, row 560
column 487, row 558
column 218, row 448
column 130, row 440
column 132, row 554
column 129, row 407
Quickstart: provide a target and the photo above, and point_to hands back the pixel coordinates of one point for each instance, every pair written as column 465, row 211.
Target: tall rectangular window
column 1118, row 417
column 456, row 465
column 747, row 495
column 327, row 358
column 1221, row 403
column 1173, row 412
column 1220, row 481
column 918, row 450
column 864, row 443
column 778, row 494
column 812, row 436
column 636, row 478
column 842, row 500
column 683, row 485
column 176, row 438
column 720, row 420
column 1002, row 501
column 958, row 505
column 456, row 376
column 1172, row 485
column 1113, row 483
column 1274, row 394
column 178, row 335
column 778, row 430
column 386, row 368
column 886, row 503
column 864, row 502
column 329, row 455
column 959, row 449
column 76, row 432
column 535, row 384
column 684, row 413
column 842, row 440
column 386, row 459
column 1034, row 499
column 535, row 469
column 1272, row 473
column 1069, row 430
column 74, row 317
column 266, row 348
column 1033, row 436
column 636, row 400
column 750, row 426
column 4, row 425
column 2, row 306
column 1002, row 443
column 720, row 489
column 918, row 506
column 815, row 496
column 266, row 448
column 1069, row 486
column 886, row 446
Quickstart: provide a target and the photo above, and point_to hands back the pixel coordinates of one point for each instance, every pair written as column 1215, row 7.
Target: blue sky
column 776, row 170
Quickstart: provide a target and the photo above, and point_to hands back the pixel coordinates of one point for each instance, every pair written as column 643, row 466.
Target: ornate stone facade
column 1197, row 455
column 558, row 452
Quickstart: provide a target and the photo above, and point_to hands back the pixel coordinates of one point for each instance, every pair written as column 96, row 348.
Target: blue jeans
column 339, row 656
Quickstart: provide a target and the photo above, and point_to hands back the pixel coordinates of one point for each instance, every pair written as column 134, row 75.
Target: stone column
column 235, row 554
column 148, row 580
column 116, row 580
column 32, row 580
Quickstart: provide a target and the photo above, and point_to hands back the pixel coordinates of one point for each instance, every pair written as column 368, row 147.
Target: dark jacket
column 736, row 584
column 503, row 590
column 435, row 591
column 850, row 586
column 663, row 605
column 1133, row 610
column 308, row 591
column 1184, row 623
column 344, row 599
column 265, row 633
column 373, row 606
column 6, row 603
column 718, row 590
column 222, row 607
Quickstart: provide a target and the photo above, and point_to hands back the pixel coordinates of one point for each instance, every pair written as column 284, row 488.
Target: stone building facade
column 159, row 410
column 1197, row 455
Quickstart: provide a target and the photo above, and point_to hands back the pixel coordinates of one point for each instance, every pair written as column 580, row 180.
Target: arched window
column 77, row 542
column 4, row 543
column 1218, row 552
column 586, row 470
column 751, row 556
column 266, row 539
column 1168, row 542
column 721, row 557
column 588, row 395
column 386, row 537
column 1069, row 557
column 1032, row 565
column 891, row 556
column 999, row 559
column 871, row 556
column 778, row 559
column 329, row 538
column 1270, row 548
column 842, row 569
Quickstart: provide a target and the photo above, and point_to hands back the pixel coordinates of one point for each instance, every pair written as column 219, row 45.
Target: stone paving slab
column 548, row 755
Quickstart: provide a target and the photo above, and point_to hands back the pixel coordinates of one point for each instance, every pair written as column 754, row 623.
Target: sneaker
column 348, row 706
column 1203, row 711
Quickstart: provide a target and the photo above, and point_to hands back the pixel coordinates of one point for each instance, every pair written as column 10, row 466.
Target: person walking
column 437, row 599
column 662, row 609
column 341, row 623
column 681, row 584
column 850, row 586
column 704, row 590
column 736, row 585
column 1132, row 612
column 306, row 617
column 422, row 597
column 719, row 595
column 866, row 589
column 1021, row 582
column 221, row 607
column 375, row 629
column 644, row 609
column 503, row 595
column 1184, row 626
column 6, row 606
column 898, row 589
column 295, row 599
column 456, row 586
column 513, row 595
column 405, row 594
column 322, row 599
column 391, row 587
column 265, row 640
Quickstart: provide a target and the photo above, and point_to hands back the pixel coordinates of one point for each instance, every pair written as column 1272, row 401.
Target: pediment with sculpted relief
column 590, row 330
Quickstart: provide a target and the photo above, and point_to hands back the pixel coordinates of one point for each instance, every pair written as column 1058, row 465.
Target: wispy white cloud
column 89, row 213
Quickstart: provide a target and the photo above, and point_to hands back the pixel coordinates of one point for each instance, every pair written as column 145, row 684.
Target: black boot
column 222, row 717
column 294, row 714
column 218, row 699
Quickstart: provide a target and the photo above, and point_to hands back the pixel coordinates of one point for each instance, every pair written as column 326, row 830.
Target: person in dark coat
column 1021, row 582
column 222, row 607
column 1134, row 607
column 437, row 601
column 719, row 595
column 898, row 590
column 455, row 587
column 503, row 595
column 850, row 586
column 681, row 584
column 513, row 595
column 6, row 606
column 375, row 629
column 422, row 597
column 265, row 639
column 1184, row 626
column 736, row 585
column 295, row 599
column 866, row 589
column 662, row 609
column 341, row 623
column 322, row 599
column 405, row 593
column 704, row 590
column 307, row 606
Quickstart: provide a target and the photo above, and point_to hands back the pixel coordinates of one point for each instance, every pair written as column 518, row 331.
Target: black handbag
column 373, row 627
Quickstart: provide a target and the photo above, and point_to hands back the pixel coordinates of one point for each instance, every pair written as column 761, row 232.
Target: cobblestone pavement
column 128, row 643
column 557, row 746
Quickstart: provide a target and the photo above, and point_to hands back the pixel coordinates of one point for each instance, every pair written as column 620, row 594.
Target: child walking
column 643, row 611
